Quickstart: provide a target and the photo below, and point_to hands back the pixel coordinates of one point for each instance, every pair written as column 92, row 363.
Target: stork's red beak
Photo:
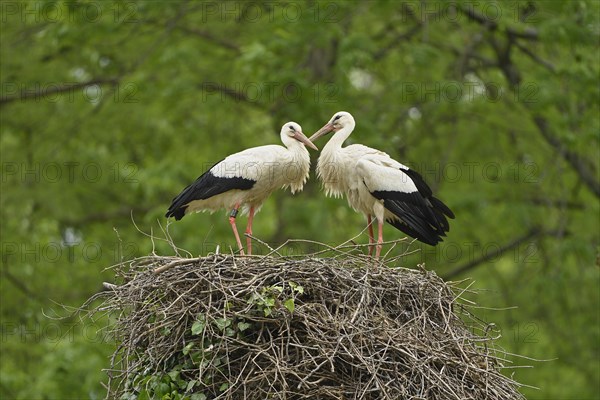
column 328, row 127
column 301, row 137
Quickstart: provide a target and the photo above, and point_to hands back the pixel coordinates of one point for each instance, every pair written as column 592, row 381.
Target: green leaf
column 191, row 385
column 289, row 304
column 196, row 357
column 198, row 396
column 144, row 395
column 253, row 298
column 198, row 326
column 242, row 326
column 187, row 348
column 162, row 389
column 174, row 375
column 165, row 331
column 295, row 287
column 277, row 288
column 224, row 387
column 222, row 323
column 269, row 302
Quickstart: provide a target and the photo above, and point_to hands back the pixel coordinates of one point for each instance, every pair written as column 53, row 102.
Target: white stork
column 247, row 178
column 379, row 186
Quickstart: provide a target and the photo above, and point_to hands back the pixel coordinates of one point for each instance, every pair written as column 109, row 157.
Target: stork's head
column 291, row 132
column 340, row 120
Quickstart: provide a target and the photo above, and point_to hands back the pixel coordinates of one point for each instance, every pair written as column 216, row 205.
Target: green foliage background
column 109, row 109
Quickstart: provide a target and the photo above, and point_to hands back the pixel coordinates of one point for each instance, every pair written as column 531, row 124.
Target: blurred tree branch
column 204, row 34
column 229, row 92
column 168, row 28
column 22, row 287
column 577, row 162
column 513, row 75
column 398, row 38
column 554, row 203
column 527, row 34
column 490, row 255
column 105, row 216
column 211, row 38
column 547, row 64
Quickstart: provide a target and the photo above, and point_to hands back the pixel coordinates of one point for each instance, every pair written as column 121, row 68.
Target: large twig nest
column 278, row 328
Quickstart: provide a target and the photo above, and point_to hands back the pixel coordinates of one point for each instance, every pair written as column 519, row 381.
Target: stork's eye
column 291, row 127
column 337, row 117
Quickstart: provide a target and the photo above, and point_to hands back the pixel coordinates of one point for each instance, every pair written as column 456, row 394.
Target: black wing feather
column 206, row 186
column 416, row 218
column 410, row 223
column 441, row 207
column 420, row 215
column 419, row 182
column 426, row 192
column 429, row 239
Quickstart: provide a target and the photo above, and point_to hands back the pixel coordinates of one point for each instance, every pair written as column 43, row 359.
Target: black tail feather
column 418, row 213
column 423, row 219
column 440, row 206
column 430, row 239
column 418, row 222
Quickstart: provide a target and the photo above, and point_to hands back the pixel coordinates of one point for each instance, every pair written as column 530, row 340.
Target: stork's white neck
column 296, row 151
column 298, row 156
column 292, row 145
column 335, row 143
column 332, row 165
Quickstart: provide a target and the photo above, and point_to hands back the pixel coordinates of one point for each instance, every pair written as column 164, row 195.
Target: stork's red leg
column 379, row 239
column 249, row 231
column 371, row 238
column 232, row 216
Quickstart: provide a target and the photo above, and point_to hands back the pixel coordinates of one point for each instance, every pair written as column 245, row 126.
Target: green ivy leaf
column 165, row 331
column 162, row 389
column 242, row 326
column 222, row 323
column 277, row 288
column 198, row 326
column 191, row 385
column 174, row 375
column 269, row 302
column 289, row 304
column 296, row 288
column 187, row 348
column 144, row 395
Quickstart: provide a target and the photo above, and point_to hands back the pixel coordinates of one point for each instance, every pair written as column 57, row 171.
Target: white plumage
column 377, row 185
column 246, row 179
